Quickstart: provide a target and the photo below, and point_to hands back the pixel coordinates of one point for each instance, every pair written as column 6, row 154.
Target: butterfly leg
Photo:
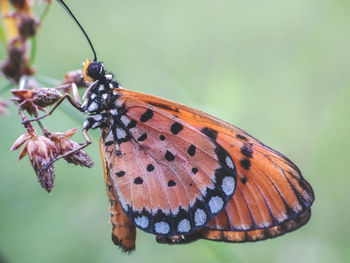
column 123, row 230
column 66, row 96
column 82, row 146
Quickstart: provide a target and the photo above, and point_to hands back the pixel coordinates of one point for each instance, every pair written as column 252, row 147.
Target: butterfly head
column 93, row 71
column 101, row 94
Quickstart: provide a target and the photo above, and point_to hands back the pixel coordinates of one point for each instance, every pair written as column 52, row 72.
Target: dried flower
column 41, row 152
column 27, row 26
column 34, row 99
column 16, row 65
column 76, row 77
column 3, row 107
column 64, row 144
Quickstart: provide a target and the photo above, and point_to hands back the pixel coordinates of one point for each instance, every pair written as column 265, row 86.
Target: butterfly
column 182, row 175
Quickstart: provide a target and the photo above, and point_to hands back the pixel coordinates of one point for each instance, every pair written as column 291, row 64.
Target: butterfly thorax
column 101, row 98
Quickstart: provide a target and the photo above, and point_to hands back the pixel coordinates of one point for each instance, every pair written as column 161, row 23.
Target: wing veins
column 136, row 154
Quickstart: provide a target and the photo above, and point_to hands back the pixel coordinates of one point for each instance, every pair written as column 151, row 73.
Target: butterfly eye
column 96, row 70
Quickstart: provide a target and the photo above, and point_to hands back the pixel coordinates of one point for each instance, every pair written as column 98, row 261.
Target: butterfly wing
column 239, row 236
column 123, row 230
column 255, row 235
column 271, row 196
column 170, row 178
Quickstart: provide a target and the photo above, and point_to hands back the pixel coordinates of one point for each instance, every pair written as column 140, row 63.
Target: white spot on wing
column 165, row 211
column 118, row 103
column 215, row 204
column 121, row 134
column 93, row 106
column 282, row 217
column 142, row 221
column 123, row 203
column 199, row 217
column 243, row 227
column 97, row 117
column 92, row 96
column 184, row 226
column 105, row 96
column 114, row 112
column 297, row 208
column 228, row 185
column 162, row 227
column 229, row 162
column 173, row 211
column 102, row 87
column 95, row 125
column 109, row 137
column 264, row 224
column 125, row 120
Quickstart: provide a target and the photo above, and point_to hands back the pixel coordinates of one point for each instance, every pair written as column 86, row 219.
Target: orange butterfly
column 182, row 175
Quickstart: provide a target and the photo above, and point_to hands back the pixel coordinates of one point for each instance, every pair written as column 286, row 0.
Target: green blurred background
column 277, row 69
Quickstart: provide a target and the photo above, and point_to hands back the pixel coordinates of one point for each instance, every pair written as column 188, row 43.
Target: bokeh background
column 277, row 69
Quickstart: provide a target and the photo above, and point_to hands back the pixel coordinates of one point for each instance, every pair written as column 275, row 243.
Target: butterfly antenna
column 80, row 26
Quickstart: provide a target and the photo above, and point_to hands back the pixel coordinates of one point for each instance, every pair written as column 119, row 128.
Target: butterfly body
column 182, row 174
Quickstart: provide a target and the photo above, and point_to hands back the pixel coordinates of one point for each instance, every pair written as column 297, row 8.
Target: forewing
column 170, row 178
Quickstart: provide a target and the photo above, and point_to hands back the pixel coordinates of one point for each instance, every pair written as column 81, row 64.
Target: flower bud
column 64, row 144
column 41, row 152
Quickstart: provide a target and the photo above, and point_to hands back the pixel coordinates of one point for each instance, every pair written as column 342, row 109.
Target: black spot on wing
column 244, row 179
column 162, row 137
column 146, row 116
column 191, row 150
column 171, row 183
column 138, row 180
column 142, row 137
column 109, row 143
column 245, row 163
column 132, row 124
column 120, row 174
column 176, row 128
column 150, row 168
column 169, row 156
column 239, row 136
column 163, row 106
column 247, row 150
column 212, row 134
column 194, row 170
